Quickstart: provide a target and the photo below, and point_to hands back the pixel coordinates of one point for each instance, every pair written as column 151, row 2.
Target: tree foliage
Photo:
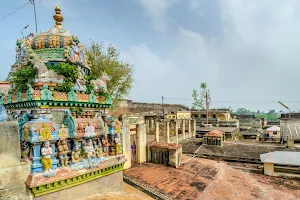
column 23, row 76
column 271, row 115
column 199, row 99
column 108, row 61
column 69, row 71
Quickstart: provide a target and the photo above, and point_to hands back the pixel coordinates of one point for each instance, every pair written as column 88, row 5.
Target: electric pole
column 162, row 105
column 33, row 2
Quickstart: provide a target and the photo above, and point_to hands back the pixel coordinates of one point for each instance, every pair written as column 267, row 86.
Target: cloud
column 254, row 57
column 156, row 10
column 186, row 65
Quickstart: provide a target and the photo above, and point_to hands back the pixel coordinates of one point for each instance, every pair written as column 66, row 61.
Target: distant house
column 281, row 163
column 290, row 126
column 214, row 137
column 273, row 133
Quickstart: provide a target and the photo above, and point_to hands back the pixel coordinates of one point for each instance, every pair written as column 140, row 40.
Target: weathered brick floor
column 212, row 180
column 129, row 193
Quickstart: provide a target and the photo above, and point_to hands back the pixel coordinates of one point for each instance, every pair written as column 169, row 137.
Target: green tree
column 199, row 100
column 108, row 61
column 22, row 77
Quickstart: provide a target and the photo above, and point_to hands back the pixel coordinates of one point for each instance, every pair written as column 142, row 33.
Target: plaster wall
column 126, row 145
column 141, row 143
column 13, row 173
column 269, row 169
column 111, row 183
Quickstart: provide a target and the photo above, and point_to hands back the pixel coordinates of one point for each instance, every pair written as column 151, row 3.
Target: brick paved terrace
column 211, row 180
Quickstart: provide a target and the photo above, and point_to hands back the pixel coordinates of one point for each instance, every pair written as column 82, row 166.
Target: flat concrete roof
column 281, row 157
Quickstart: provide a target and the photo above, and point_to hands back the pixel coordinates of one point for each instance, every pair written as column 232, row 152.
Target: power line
column 1, row 19
column 291, row 101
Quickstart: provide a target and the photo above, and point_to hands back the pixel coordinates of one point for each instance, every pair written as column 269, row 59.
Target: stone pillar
column 126, row 145
column 157, row 131
column 168, row 132
column 290, row 142
column 183, row 129
column 176, row 131
column 190, row 131
column 194, row 132
column 141, row 143
column 147, row 125
column 13, row 173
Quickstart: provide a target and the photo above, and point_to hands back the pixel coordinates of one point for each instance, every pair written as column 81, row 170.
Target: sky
column 248, row 52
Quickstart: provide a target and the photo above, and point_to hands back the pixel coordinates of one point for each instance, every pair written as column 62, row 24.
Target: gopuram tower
column 73, row 149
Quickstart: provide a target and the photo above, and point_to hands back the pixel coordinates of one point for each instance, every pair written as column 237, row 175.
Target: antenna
column 284, row 106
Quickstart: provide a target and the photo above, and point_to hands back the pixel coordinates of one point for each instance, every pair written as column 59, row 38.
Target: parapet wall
column 146, row 107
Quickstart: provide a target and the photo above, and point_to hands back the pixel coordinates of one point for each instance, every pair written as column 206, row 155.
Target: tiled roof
column 163, row 145
column 214, row 133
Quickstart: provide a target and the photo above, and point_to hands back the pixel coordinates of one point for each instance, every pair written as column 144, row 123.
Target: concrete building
column 164, row 153
column 281, row 163
column 220, row 114
column 214, row 137
column 273, row 133
column 183, row 114
column 290, row 126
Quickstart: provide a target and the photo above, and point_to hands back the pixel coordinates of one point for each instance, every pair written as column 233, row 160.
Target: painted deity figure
column 89, row 130
column 46, row 152
column 118, row 144
column 24, row 151
column 76, row 154
column 80, row 82
column 63, row 152
column 89, row 149
column 99, row 151
column 21, row 56
column 75, row 53
column 45, row 133
column 105, row 145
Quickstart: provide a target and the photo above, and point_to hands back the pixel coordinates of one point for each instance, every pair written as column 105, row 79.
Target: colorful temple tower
column 64, row 134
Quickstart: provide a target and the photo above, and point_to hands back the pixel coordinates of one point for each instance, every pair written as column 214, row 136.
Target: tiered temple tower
column 63, row 132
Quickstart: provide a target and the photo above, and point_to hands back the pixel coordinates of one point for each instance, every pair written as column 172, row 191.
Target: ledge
column 48, row 103
column 76, row 180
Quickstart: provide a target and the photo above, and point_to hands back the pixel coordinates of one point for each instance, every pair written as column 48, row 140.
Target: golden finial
column 57, row 17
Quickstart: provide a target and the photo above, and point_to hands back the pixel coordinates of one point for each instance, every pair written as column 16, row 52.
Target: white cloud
column 256, row 53
column 156, row 10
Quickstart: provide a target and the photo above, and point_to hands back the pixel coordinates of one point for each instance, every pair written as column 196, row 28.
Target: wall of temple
column 110, row 183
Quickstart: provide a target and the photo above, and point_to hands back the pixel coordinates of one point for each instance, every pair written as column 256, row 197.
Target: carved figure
column 63, row 152
column 21, row 54
column 45, row 133
column 26, row 133
column 76, row 54
column 105, row 145
column 70, row 123
column 46, row 152
column 29, row 92
column 118, row 144
column 76, row 154
column 46, row 94
column 99, row 151
column 90, row 130
column 100, row 84
column 80, row 82
column 24, row 151
column 89, row 149
column 63, row 132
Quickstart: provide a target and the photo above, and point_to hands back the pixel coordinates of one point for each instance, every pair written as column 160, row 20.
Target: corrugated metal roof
column 281, row 157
